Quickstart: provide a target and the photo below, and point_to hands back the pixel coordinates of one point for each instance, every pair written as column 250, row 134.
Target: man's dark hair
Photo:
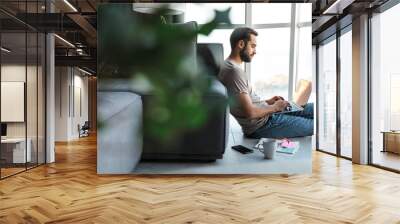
column 241, row 33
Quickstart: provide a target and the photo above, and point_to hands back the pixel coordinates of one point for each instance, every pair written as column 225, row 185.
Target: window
column 304, row 12
column 385, row 84
column 269, row 70
column 13, row 71
column 327, row 96
column 203, row 13
column 270, row 66
column 218, row 36
column 346, row 91
column 271, row 13
column 303, row 50
column 22, row 65
column 304, row 54
column 394, row 101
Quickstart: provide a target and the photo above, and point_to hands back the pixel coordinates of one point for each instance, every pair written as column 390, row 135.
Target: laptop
column 293, row 107
column 301, row 96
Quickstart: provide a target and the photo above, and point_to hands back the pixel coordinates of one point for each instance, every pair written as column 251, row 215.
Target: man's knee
column 309, row 106
column 310, row 131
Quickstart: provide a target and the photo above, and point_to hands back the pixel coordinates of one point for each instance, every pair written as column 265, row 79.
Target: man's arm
column 252, row 111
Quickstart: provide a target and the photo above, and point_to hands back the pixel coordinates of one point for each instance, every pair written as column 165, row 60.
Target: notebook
column 287, row 150
column 287, row 147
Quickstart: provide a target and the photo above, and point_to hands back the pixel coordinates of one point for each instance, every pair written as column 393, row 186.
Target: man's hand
column 251, row 111
column 274, row 99
column 280, row 105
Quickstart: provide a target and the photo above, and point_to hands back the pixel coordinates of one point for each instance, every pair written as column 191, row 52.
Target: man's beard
column 244, row 55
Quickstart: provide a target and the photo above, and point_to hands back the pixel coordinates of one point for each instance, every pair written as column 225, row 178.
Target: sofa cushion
column 210, row 56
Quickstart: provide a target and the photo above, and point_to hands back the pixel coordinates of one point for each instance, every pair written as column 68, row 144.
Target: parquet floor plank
column 70, row 191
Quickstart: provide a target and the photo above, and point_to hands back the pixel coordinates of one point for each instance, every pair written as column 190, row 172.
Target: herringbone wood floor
column 70, row 191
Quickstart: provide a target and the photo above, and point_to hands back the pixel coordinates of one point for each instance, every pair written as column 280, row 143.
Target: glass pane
column 303, row 12
column 31, row 100
column 203, row 13
column 218, row 36
column 304, row 54
column 41, row 98
column 13, row 87
column 270, row 65
column 303, row 43
column 304, row 66
column 386, row 89
column 345, row 92
column 265, row 13
column 314, row 92
column 327, row 97
column 31, row 89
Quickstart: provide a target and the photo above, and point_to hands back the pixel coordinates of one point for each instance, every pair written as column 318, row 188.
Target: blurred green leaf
column 146, row 49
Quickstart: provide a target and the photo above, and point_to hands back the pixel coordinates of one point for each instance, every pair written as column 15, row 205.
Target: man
column 257, row 117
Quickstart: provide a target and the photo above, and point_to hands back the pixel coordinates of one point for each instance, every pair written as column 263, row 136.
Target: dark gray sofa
column 208, row 142
column 122, row 107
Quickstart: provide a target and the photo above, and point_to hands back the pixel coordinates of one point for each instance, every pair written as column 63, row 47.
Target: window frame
column 294, row 26
column 334, row 37
column 379, row 10
column 26, row 29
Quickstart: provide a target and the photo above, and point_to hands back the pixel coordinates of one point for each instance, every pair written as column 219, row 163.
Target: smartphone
column 242, row 149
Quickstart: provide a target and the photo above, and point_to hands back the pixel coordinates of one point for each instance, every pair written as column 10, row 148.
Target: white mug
column 269, row 147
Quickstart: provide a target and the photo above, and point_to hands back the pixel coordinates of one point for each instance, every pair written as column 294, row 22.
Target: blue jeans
column 289, row 125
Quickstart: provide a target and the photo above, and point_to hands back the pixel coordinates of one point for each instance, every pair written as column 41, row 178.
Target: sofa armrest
column 119, row 137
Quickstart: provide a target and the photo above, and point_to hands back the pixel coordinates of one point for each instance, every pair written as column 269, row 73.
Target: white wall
column 80, row 108
column 71, row 94
column 62, row 81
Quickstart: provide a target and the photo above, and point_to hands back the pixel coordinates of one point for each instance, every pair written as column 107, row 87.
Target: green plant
column 150, row 53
